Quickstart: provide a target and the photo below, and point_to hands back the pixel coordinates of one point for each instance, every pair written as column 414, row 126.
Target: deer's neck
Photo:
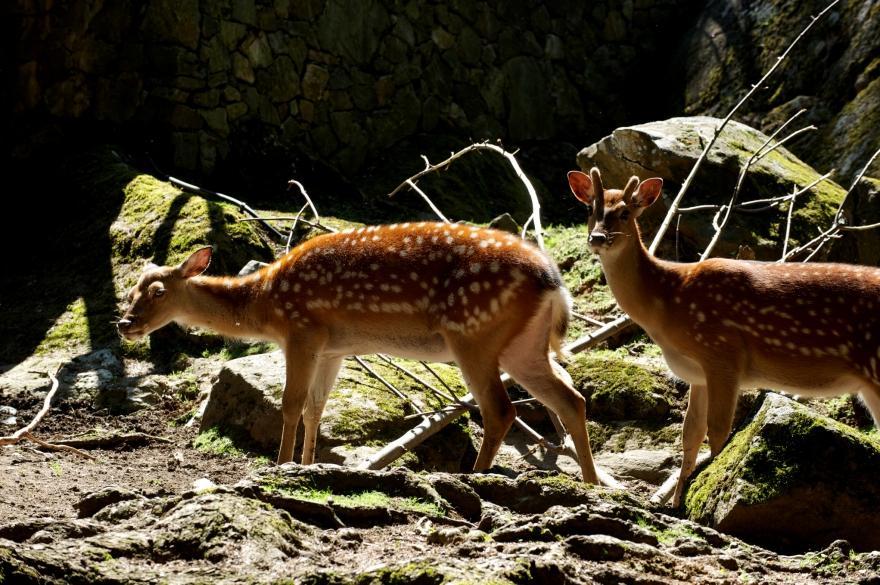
column 641, row 284
column 232, row 307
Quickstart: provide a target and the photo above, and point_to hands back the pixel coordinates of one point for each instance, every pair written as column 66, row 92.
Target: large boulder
column 792, row 479
column 669, row 149
column 360, row 416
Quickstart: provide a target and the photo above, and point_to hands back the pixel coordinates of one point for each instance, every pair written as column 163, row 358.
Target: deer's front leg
column 327, row 370
column 692, row 435
column 300, row 372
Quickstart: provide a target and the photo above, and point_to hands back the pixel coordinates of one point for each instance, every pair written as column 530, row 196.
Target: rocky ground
column 171, row 504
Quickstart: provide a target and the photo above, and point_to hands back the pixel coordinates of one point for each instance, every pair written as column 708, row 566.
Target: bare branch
column 533, row 196
column 427, row 199
column 302, row 190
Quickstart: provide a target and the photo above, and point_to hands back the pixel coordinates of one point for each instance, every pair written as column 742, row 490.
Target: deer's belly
column 684, row 367
column 416, row 345
column 802, row 380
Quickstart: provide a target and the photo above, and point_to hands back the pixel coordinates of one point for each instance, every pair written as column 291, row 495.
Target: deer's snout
column 597, row 238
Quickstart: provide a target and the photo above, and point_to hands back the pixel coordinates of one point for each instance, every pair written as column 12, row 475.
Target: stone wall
column 336, row 80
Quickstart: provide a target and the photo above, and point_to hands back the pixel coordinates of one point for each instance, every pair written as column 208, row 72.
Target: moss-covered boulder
column 361, row 414
column 111, row 218
column 792, row 479
column 621, row 389
column 669, row 149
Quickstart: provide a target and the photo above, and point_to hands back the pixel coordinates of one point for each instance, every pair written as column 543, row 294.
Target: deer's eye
column 158, row 292
column 624, row 215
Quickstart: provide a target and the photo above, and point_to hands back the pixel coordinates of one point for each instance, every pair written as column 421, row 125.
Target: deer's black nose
column 597, row 238
column 124, row 324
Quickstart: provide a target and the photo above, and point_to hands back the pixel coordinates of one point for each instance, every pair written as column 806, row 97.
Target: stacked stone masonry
column 338, row 80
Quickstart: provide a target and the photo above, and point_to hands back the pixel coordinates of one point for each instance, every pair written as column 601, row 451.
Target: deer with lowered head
column 429, row 291
column 810, row 329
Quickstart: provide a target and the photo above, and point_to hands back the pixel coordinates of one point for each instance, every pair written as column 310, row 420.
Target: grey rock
column 651, row 465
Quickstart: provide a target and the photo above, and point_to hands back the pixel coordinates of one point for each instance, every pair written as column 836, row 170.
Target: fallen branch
column 24, row 434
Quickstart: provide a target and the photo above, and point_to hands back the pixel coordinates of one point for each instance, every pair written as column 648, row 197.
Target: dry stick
column 293, row 227
column 427, row 199
column 754, row 158
column 533, row 196
column 435, row 422
column 787, row 227
column 302, row 190
column 836, row 225
column 386, row 383
column 25, row 432
column 313, row 224
column 667, row 221
column 437, row 393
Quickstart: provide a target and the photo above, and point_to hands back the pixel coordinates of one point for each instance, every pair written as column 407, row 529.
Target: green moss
column 618, row 389
column 368, row 411
column 421, row 573
column 70, row 332
column 365, row 499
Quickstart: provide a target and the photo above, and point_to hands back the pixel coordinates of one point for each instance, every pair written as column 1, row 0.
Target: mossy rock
column 361, row 414
column 620, row 389
column 114, row 219
column 792, row 479
column 669, row 149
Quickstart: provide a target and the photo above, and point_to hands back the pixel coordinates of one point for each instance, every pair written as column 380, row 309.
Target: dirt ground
column 35, row 483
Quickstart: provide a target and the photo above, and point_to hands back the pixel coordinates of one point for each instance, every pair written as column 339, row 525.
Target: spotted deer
column 810, row 329
column 430, row 291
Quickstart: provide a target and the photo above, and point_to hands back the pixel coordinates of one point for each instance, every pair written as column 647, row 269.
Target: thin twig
column 302, row 190
column 293, row 227
column 753, row 159
column 787, row 227
column 26, row 434
column 437, row 393
column 386, row 383
column 427, row 199
column 313, row 224
column 47, row 403
column 240, row 204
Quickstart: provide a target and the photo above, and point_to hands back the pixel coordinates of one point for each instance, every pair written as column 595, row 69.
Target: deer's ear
column 582, row 187
column 647, row 192
column 196, row 264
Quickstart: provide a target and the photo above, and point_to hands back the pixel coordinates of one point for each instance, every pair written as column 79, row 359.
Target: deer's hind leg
column 527, row 360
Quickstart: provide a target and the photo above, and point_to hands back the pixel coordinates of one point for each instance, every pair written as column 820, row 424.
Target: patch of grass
column 369, row 499
column 213, row 441
column 56, row 468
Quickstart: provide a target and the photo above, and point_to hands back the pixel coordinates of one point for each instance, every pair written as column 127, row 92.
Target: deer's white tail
column 560, row 311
